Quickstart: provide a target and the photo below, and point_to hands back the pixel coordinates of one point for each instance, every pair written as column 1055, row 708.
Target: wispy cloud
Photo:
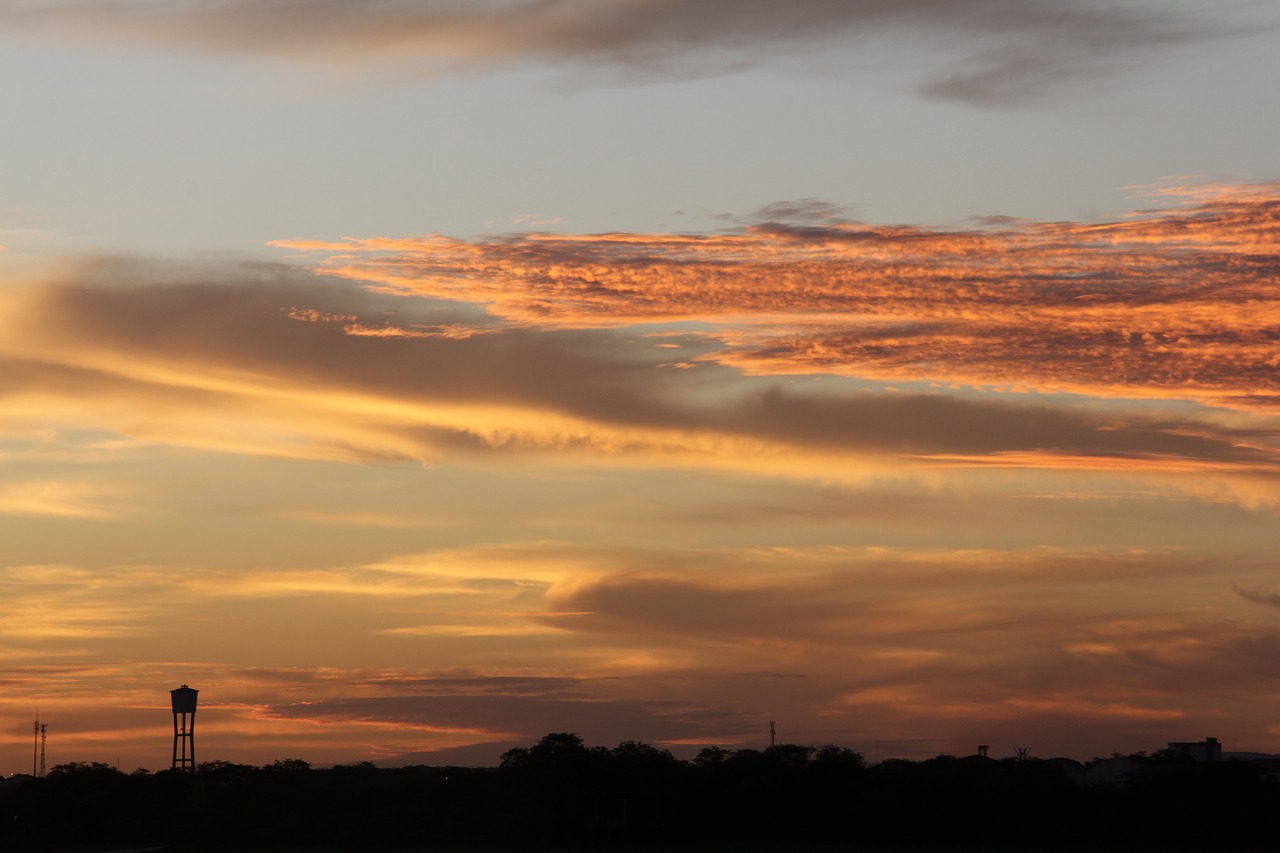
column 53, row 606
column 1171, row 302
column 843, row 643
column 57, row 499
column 225, row 366
column 485, row 711
column 984, row 51
column 437, row 347
column 1259, row 596
column 863, row 639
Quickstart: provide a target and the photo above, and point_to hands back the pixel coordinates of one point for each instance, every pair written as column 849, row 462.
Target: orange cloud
column 1175, row 303
column 279, row 361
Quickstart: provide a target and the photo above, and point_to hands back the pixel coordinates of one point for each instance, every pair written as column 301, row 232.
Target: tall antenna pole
column 773, row 732
column 39, row 734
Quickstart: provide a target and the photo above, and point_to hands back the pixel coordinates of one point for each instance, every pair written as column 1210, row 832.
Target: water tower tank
column 184, row 700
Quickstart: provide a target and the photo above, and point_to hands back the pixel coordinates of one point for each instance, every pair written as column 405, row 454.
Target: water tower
column 184, row 727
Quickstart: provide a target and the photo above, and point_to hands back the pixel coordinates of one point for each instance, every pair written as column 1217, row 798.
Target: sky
column 415, row 379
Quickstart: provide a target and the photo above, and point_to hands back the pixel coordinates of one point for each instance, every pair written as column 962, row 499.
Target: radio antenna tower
column 773, row 732
column 40, row 734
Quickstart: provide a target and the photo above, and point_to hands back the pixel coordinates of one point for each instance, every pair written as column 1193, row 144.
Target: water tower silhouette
column 184, row 727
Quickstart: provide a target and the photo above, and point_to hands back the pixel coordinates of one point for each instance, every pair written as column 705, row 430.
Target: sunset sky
column 417, row 378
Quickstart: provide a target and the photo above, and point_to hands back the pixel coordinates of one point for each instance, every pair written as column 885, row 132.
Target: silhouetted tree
column 83, row 768
column 559, row 793
column 517, row 756
column 709, row 755
column 790, row 755
column 838, row 757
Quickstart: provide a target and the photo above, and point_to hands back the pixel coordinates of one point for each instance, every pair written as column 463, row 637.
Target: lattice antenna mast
column 39, row 734
column 773, row 732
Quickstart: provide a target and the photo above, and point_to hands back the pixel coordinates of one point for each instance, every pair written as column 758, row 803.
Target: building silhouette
column 1205, row 750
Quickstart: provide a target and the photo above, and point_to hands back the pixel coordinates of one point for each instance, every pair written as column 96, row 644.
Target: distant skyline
column 418, row 378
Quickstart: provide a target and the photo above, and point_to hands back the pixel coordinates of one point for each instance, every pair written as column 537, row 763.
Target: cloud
column 264, row 360
column 1258, row 596
column 56, row 606
column 522, row 716
column 841, row 640
column 833, row 597
column 673, row 646
column 928, row 636
column 1172, row 303
column 984, row 51
column 51, row 498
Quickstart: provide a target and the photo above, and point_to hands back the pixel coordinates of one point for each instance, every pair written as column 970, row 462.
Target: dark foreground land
column 561, row 795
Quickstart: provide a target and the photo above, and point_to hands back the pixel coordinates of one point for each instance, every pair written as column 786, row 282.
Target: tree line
column 559, row 793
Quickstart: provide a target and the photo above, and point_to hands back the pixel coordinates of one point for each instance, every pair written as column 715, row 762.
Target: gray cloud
column 599, row 719
column 985, row 51
column 1076, row 641
column 690, row 609
column 1258, row 596
column 861, row 600
column 929, row 423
